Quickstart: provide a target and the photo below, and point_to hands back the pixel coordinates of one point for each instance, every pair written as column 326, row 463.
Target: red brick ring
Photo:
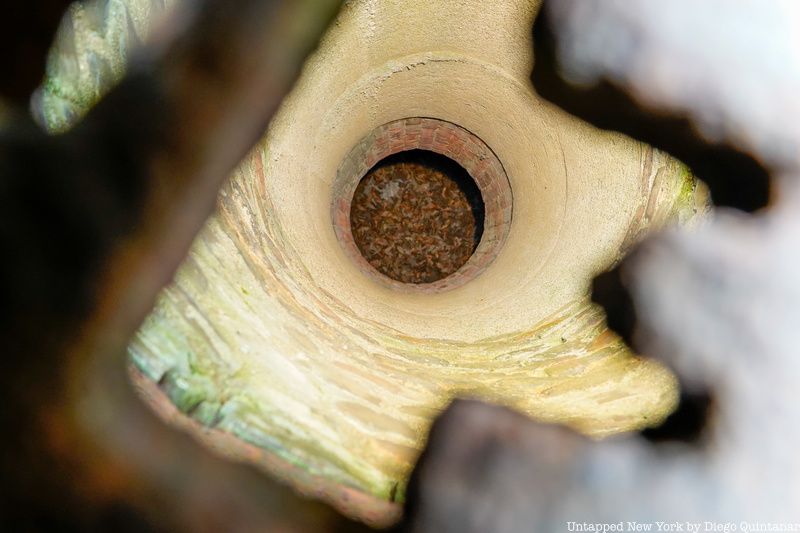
column 444, row 138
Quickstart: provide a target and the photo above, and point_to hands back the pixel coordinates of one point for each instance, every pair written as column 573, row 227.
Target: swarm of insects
column 417, row 217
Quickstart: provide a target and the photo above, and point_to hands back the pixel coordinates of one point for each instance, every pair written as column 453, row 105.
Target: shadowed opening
column 417, row 216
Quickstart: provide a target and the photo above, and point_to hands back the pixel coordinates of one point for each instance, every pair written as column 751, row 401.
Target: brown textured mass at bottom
column 417, row 217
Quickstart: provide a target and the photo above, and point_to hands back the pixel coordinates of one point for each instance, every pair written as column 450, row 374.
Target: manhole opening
column 417, row 216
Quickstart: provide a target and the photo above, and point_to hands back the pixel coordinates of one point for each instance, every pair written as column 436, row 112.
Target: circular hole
column 417, row 216
column 421, row 205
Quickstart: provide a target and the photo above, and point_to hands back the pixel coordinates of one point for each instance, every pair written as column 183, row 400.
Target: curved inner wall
column 271, row 332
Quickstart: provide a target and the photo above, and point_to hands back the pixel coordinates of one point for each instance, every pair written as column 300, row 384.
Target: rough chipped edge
column 353, row 503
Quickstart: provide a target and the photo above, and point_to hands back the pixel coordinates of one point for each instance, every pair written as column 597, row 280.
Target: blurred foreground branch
column 94, row 222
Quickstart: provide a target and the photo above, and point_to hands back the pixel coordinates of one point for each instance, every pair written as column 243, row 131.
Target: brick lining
column 447, row 139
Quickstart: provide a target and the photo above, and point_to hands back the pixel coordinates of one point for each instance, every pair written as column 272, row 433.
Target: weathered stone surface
column 326, row 368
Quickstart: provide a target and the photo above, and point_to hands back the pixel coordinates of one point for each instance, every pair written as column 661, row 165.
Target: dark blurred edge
column 26, row 33
column 87, row 227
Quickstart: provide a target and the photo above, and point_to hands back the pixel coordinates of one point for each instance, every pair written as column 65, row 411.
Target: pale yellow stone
column 291, row 347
